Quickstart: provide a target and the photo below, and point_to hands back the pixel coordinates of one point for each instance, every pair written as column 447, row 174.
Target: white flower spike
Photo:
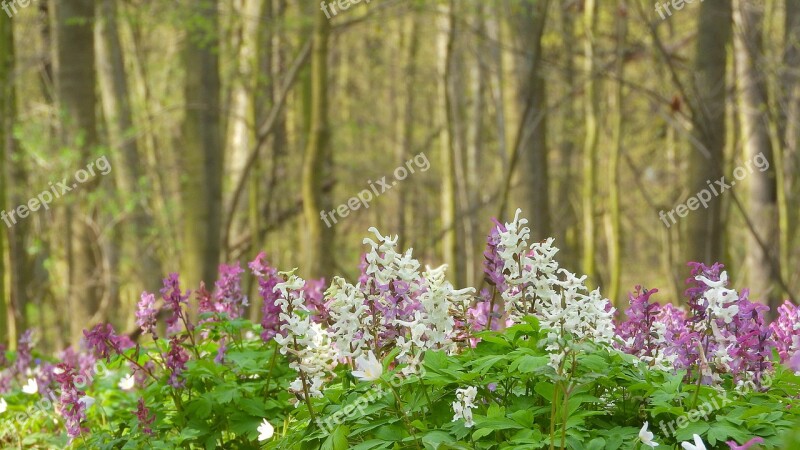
column 3, row 405
column 369, row 369
column 647, row 436
column 698, row 444
column 265, row 431
column 32, row 387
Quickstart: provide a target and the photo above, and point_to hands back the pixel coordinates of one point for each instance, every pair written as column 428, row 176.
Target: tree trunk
column 75, row 87
column 319, row 236
column 703, row 241
column 590, row 145
column 405, row 124
column 533, row 173
column 615, row 241
column 791, row 106
column 8, row 331
column 762, row 243
column 241, row 115
column 119, row 124
column 201, row 187
column 565, row 214
column 444, row 49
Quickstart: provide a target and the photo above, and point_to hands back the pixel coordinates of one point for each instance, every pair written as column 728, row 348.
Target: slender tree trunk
column 478, row 75
column 495, row 36
column 445, row 42
column 590, row 145
column 615, row 241
column 241, row 113
column 565, row 214
column 704, row 226
column 791, row 157
column 75, row 87
column 8, row 322
column 116, row 101
column 201, row 187
column 405, row 124
column 533, row 173
column 319, row 237
column 762, row 249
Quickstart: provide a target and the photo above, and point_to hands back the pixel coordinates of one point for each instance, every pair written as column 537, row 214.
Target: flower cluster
column 228, row 294
column 395, row 306
column 464, row 404
column 270, row 311
column 145, row 418
column 147, row 314
column 723, row 331
column 558, row 298
column 175, row 300
column 786, row 330
column 73, row 401
column 312, row 355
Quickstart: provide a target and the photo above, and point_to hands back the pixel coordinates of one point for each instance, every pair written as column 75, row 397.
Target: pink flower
column 746, row 445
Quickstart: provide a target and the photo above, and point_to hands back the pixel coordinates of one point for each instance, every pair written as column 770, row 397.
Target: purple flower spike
column 147, row 313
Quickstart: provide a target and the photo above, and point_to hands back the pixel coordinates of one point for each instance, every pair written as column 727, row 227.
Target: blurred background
column 175, row 135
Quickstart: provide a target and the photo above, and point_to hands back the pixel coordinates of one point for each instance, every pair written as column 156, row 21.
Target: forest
column 341, row 224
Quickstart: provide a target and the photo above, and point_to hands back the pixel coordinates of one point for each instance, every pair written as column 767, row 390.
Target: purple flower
column 71, row 408
column 174, row 299
column 147, row 314
column 103, row 340
column 635, row 331
column 144, row 416
column 786, row 330
column 696, row 289
column 176, row 359
column 220, row 358
column 493, row 262
column 746, row 445
column 794, row 362
column 24, row 348
column 270, row 312
column 315, row 300
column 478, row 315
column 228, row 295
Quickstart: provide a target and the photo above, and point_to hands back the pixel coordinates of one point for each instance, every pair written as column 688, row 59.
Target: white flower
column 647, row 436
column 3, row 405
column 464, row 404
column 265, row 430
column 58, row 371
column 32, row 387
column 698, row 444
column 127, row 382
column 369, row 369
column 87, row 401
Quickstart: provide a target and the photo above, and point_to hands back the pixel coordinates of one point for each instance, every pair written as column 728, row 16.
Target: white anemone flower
column 698, row 444
column 369, row 369
column 265, row 430
column 647, row 436
column 127, row 382
column 32, row 387
column 87, row 401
